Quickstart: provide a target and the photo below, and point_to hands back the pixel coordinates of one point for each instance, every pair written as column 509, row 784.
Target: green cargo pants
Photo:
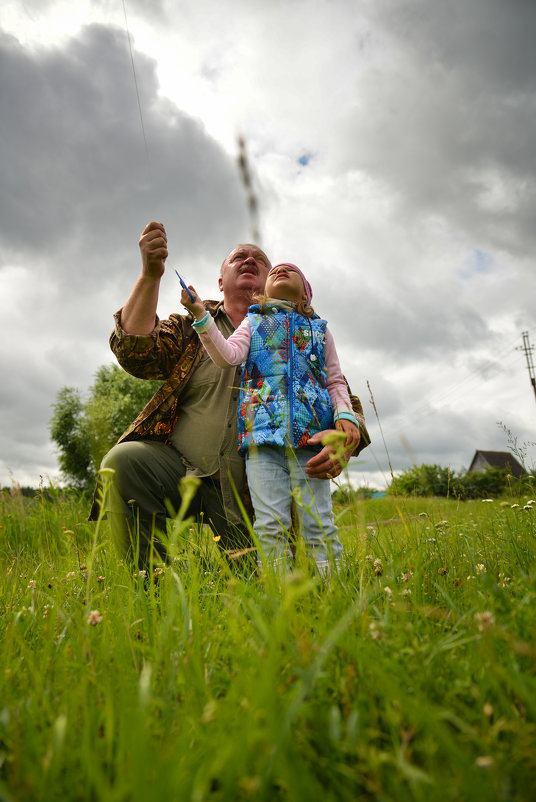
column 147, row 474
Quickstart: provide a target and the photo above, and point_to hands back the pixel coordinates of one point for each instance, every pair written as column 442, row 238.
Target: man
column 189, row 428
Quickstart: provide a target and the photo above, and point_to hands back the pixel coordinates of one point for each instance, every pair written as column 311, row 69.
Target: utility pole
column 528, row 349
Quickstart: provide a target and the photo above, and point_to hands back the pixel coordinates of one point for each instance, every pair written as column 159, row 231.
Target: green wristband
column 347, row 416
column 197, row 324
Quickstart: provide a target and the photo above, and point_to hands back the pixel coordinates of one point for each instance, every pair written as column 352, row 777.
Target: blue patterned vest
column 283, row 397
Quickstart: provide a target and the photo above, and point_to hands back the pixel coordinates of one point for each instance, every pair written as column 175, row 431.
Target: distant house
column 496, row 459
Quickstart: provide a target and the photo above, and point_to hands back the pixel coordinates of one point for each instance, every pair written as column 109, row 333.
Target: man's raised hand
column 153, row 248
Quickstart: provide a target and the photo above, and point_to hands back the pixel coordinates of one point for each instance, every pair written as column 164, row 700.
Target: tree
column 68, row 429
column 84, row 431
column 115, row 399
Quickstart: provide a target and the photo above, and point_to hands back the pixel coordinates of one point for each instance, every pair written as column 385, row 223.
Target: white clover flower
column 480, row 568
column 375, row 629
column 32, row 584
column 387, row 590
column 94, row 618
column 485, row 620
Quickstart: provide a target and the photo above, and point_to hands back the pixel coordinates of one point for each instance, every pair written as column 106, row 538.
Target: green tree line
column 442, row 482
column 435, row 480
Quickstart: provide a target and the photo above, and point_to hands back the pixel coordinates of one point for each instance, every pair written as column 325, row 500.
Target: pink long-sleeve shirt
column 235, row 349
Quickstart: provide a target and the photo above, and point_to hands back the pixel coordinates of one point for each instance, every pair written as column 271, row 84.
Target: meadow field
column 410, row 675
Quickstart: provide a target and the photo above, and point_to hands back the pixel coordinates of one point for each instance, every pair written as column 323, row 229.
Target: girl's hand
column 195, row 307
column 351, row 431
column 333, row 458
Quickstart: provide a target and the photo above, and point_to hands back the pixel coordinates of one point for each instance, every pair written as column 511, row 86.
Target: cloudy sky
column 393, row 146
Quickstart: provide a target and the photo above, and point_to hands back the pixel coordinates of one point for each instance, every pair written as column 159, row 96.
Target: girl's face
column 286, row 284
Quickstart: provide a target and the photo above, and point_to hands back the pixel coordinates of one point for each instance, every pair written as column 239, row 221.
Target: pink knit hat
column 308, row 290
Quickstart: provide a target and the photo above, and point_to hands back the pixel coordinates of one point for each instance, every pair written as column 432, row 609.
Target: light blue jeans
column 275, row 476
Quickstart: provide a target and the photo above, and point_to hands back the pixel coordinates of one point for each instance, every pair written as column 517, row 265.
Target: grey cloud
column 409, row 323
column 74, row 168
column 448, row 118
column 490, row 38
column 156, row 7
column 56, row 351
column 32, row 8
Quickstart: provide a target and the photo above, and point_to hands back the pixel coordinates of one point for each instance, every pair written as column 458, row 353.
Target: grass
column 410, row 676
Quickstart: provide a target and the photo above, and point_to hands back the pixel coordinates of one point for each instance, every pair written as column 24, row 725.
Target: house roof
column 498, row 459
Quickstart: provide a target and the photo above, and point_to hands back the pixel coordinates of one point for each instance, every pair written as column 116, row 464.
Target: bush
column 434, row 480
column 346, row 494
column 422, row 480
column 480, row 484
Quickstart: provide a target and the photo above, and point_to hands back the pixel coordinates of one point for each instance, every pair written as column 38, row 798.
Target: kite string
column 149, row 171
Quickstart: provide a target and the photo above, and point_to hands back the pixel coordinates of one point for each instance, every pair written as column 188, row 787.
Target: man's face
column 246, row 268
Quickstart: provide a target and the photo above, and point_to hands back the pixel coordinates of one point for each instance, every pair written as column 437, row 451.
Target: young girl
column 292, row 387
